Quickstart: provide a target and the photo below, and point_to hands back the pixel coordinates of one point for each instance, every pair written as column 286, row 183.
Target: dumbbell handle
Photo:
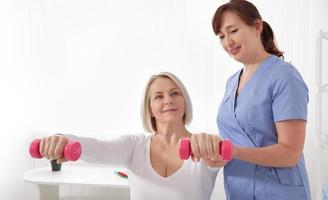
column 225, row 149
column 72, row 150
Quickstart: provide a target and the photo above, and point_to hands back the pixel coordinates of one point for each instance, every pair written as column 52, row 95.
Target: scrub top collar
column 257, row 74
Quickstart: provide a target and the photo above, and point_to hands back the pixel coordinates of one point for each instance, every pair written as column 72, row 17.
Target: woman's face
column 166, row 101
column 240, row 40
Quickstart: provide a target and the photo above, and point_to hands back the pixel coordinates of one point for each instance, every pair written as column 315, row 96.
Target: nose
column 227, row 42
column 167, row 100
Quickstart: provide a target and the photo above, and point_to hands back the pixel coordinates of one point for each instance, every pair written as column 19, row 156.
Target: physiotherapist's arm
column 286, row 153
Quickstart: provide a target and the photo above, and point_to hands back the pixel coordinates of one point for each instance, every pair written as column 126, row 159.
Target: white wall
column 318, row 21
column 18, row 99
column 79, row 66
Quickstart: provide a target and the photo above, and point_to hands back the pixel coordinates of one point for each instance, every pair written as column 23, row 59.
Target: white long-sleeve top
column 193, row 181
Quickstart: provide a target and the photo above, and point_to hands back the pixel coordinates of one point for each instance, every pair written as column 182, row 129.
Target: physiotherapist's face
column 237, row 38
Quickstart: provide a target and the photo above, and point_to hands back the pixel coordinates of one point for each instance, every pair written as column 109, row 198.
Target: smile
column 234, row 50
column 170, row 110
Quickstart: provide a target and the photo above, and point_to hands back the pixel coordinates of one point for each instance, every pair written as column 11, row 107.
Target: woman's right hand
column 205, row 146
column 52, row 147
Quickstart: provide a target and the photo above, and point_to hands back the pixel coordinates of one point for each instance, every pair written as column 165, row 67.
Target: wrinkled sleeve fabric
column 115, row 152
column 289, row 96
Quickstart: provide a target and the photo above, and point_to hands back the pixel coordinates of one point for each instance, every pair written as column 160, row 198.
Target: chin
column 238, row 58
column 173, row 119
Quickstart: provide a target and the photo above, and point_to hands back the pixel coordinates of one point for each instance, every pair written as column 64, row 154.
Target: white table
column 48, row 182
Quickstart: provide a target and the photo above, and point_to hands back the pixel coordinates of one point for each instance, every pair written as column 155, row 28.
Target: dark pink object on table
column 225, row 149
column 72, row 150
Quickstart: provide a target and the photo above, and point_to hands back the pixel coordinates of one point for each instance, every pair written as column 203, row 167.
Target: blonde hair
column 149, row 122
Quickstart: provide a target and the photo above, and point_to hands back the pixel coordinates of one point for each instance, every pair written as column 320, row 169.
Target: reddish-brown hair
column 248, row 13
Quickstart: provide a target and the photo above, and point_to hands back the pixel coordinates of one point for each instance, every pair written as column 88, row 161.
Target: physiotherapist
column 263, row 112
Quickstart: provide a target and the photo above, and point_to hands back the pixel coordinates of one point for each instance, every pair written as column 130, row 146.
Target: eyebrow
column 159, row 92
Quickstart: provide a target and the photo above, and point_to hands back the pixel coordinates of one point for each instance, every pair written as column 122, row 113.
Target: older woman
column 156, row 172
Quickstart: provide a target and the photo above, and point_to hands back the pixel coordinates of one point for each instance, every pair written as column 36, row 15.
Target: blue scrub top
column 275, row 92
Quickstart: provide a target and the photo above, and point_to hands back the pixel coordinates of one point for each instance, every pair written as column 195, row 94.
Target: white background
column 80, row 66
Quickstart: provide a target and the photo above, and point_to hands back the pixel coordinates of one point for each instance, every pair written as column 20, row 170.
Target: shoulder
column 281, row 74
column 285, row 78
column 282, row 70
column 134, row 138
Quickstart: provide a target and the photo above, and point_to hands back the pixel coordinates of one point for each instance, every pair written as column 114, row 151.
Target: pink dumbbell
column 72, row 150
column 225, row 149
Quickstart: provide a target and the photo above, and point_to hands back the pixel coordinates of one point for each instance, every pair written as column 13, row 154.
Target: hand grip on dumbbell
column 225, row 149
column 72, row 150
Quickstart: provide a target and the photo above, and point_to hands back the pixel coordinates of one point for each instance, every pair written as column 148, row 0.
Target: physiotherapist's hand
column 216, row 163
column 205, row 146
column 52, row 147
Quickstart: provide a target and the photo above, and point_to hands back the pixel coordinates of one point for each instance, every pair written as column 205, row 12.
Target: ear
column 258, row 27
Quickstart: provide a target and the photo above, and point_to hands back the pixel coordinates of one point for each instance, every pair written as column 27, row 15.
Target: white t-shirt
column 193, row 181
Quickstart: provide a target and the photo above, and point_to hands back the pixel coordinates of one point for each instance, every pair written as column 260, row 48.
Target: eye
column 158, row 97
column 175, row 93
column 234, row 31
column 221, row 37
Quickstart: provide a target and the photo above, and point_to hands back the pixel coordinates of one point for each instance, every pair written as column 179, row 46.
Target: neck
column 252, row 64
column 169, row 135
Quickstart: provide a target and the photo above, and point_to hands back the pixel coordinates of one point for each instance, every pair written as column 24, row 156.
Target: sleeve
column 116, row 152
column 289, row 96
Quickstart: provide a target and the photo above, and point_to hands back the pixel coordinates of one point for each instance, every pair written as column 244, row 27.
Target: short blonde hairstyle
column 149, row 122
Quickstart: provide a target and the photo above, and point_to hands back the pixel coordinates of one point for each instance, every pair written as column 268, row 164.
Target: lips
column 234, row 50
column 170, row 110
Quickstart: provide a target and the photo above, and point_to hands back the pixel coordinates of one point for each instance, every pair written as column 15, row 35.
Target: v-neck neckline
column 246, row 86
column 155, row 172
